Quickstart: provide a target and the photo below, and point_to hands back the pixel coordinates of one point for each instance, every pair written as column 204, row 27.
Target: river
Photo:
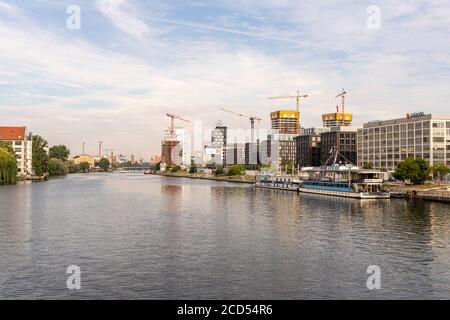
column 137, row 236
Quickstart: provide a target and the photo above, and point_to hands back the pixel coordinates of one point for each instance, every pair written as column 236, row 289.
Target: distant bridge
column 134, row 168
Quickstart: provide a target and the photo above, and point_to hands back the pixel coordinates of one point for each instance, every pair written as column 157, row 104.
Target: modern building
column 341, row 139
column 286, row 148
column 234, row 154
column 308, row 147
column 383, row 144
column 337, row 119
column 218, row 141
column 181, row 147
column 286, row 121
column 22, row 144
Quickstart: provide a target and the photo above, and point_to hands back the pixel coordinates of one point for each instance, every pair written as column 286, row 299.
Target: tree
column 439, row 171
column 40, row 157
column 8, row 167
column 193, row 168
column 57, row 167
column 59, row 152
column 8, row 147
column 175, row 169
column 219, row 171
column 158, row 166
column 104, row 164
column 414, row 170
column 84, row 166
column 236, row 170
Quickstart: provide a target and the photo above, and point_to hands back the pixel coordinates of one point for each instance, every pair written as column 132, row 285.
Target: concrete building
column 308, row 147
column 22, row 144
column 337, row 119
column 84, row 158
column 234, row 154
column 181, row 145
column 344, row 139
column 285, row 121
column 286, row 148
column 383, row 144
column 218, row 140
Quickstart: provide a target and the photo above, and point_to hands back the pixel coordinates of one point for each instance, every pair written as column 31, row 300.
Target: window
column 439, row 125
column 438, row 139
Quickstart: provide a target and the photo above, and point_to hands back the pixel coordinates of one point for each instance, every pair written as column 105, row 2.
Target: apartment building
column 383, row 144
column 21, row 142
column 308, row 147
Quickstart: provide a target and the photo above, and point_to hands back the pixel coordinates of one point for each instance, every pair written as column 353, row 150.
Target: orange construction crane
column 252, row 121
column 172, row 129
column 298, row 96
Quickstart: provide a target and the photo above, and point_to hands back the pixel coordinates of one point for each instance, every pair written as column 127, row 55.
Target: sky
column 130, row 62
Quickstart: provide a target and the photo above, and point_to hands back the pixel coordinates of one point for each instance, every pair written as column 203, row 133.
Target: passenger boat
column 336, row 179
column 279, row 182
column 344, row 181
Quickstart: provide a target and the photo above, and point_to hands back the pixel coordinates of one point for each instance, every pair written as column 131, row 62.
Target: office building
column 308, row 147
column 340, row 139
column 383, row 144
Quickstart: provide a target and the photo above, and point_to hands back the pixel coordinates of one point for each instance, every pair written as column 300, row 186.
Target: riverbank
column 201, row 176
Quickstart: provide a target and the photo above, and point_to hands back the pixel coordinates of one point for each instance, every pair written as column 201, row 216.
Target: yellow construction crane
column 342, row 94
column 252, row 121
column 298, row 96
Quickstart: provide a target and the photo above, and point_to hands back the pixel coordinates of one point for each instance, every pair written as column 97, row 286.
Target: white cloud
column 115, row 10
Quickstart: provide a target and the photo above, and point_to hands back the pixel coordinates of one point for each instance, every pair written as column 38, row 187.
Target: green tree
column 57, row 167
column 193, row 168
column 84, row 167
column 175, row 169
column 158, row 166
column 104, row 164
column 414, row 170
column 219, row 171
column 59, row 152
column 73, row 168
column 8, row 147
column 40, row 157
column 8, row 167
column 439, row 171
column 236, row 170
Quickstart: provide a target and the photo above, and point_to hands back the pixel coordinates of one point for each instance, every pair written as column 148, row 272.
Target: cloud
column 71, row 87
column 116, row 12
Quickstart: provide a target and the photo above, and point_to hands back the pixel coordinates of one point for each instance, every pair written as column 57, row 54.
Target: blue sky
column 133, row 61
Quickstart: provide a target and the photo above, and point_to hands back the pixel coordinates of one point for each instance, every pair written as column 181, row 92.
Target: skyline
column 131, row 62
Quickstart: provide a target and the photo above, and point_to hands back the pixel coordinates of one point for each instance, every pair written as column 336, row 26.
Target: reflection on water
column 137, row 236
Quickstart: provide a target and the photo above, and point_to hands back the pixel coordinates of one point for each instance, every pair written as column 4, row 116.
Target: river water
column 137, row 236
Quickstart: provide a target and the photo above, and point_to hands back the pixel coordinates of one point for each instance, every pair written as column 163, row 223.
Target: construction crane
column 298, row 96
column 342, row 95
column 252, row 121
column 172, row 129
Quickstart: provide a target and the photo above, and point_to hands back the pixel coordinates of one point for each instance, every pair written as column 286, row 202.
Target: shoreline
column 225, row 179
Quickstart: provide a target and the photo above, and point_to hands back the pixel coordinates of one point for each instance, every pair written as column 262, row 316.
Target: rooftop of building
column 12, row 133
column 415, row 117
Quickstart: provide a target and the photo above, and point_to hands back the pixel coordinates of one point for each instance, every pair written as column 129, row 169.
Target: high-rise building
column 218, row 141
column 286, row 148
column 285, row 121
column 181, row 147
column 383, row 144
column 340, row 139
column 308, row 147
column 21, row 142
column 337, row 119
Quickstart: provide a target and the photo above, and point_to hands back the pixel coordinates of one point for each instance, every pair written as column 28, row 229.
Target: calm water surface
column 145, row 237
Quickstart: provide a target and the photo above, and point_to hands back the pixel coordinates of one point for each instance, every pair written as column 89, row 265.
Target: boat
column 337, row 179
column 147, row 171
column 278, row 182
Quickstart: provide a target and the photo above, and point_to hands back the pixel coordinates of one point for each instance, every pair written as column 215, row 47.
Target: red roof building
column 12, row 133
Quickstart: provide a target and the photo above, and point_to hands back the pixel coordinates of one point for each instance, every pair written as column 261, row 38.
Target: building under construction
column 286, row 121
column 338, row 119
